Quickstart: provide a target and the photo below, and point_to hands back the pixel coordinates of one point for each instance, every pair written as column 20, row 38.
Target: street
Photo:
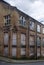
column 36, row 63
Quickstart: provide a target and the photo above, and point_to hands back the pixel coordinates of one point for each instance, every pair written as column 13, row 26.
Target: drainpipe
column 36, row 41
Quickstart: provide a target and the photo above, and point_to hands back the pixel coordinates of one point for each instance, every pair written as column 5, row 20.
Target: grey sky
column 34, row 8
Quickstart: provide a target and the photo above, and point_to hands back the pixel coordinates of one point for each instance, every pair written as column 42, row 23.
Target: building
column 20, row 34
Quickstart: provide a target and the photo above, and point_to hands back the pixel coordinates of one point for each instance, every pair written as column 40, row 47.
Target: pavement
column 8, row 60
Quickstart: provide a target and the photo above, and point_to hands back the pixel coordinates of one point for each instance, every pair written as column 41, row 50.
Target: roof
column 4, row 2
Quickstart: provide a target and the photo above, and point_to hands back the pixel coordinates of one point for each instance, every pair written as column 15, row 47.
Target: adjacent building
column 20, row 34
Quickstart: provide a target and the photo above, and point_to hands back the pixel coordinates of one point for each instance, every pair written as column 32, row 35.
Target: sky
column 34, row 8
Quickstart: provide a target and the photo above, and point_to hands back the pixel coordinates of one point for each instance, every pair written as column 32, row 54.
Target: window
column 5, row 51
column 23, row 51
column 23, row 39
column 43, row 42
column 7, row 20
column 38, row 51
column 31, row 52
column 6, row 39
column 38, row 28
column 43, row 30
column 22, row 20
column 31, row 40
column 14, row 39
column 38, row 41
column 14, row 52
column 42, row 52
column 32, row 25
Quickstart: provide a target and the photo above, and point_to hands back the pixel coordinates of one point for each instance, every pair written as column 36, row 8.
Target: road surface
column 36, row 63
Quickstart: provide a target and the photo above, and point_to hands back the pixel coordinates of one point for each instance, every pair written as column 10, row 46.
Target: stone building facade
column 20, row 34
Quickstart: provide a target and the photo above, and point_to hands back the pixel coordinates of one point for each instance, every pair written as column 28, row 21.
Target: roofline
column 21, row 11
